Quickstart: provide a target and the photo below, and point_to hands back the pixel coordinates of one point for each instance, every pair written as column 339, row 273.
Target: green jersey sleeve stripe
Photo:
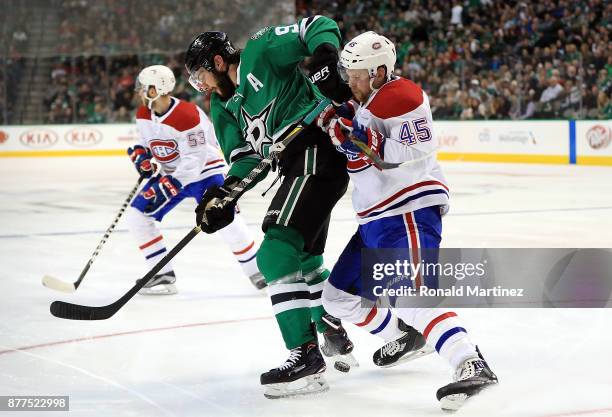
column 316, row 30
column 305, row 24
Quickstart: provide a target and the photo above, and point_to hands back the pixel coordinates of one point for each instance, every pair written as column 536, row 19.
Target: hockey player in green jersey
column 258, row 95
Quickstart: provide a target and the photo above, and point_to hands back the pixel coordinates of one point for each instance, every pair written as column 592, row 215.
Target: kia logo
column 83, row 137
column 3, row 137
column 38, row 138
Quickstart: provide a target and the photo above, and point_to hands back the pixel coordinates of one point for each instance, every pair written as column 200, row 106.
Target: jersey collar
column 162, row 117
column 373, row 94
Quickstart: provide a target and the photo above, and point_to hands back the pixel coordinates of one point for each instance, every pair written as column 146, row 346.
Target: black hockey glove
column 210, row 215
column 324, row 74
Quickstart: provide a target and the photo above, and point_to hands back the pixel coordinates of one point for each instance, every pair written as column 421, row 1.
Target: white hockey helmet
column 159, row 76
column 368, row 51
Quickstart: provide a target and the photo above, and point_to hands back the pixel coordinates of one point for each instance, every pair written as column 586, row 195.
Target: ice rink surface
column 200, row 352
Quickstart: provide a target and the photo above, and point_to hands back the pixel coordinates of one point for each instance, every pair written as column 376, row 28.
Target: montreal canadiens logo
column 598, row 137
column 356, row 163
column 164, row 150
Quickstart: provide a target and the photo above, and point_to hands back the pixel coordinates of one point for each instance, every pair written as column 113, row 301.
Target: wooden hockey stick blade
column 64, row 310
column 57, row 284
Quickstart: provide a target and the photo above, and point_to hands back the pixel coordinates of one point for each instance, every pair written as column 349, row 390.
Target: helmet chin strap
column 151, row 100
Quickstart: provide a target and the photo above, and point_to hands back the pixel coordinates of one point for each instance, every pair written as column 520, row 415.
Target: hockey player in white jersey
column 178, row 137
column 396, row 208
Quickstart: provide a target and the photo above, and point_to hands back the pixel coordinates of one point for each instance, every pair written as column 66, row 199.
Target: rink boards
column 583, row 142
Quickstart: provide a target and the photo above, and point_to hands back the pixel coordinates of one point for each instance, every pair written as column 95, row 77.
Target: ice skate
column 411, row 345
column 337, row 346
column 258, row 280
column 301, row 374
column 162, row 284
column 471, row 377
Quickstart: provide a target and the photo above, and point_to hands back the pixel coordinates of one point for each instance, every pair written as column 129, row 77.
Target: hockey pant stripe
column 413, row 237
column 290, row 203
column 310, row 161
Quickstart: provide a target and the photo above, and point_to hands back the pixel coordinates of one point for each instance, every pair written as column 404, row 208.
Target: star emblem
column 255, row 131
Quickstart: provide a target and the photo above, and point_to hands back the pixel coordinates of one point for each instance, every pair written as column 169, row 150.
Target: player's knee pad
column 236, row 233
column 279, row 254
column 341, row 304
column 137, row 221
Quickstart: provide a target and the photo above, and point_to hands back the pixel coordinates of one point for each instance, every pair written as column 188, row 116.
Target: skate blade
column 312, row 384
column 453, row 402
column 161, row 289
column 424, row 351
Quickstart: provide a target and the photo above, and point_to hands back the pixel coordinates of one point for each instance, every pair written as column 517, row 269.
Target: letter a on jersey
column 255, row 83
column 255, row 131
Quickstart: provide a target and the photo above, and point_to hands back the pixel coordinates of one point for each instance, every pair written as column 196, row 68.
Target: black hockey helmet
column 204, row 48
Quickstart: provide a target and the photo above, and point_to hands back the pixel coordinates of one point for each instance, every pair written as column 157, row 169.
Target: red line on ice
column 106, row 336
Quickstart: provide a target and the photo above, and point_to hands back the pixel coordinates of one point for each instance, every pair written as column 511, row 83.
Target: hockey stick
column 71, row 311
column 381, row 163
column 59, row 285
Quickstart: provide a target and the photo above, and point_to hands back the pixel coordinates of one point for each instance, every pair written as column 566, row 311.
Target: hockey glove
column 324, row 74
column 346, row 110
column 160, row 192
column 210, row 215
column 141, row 157
column 342, row 130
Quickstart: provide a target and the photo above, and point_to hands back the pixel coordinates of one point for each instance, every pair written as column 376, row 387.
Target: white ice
column 200, row 353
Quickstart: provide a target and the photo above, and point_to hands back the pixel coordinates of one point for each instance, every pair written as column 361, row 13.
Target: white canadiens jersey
column 182, row 140
column 400, row 111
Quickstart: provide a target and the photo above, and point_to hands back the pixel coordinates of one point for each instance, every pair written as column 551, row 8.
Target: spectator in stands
column 530, row 59
column 604, row 106
column 477, row 59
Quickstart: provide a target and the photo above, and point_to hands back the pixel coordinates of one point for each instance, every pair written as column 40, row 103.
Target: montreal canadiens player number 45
column 178, row 137
column 396, row 208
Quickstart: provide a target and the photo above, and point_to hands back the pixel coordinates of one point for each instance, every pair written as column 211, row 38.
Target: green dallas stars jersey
column 272, row 92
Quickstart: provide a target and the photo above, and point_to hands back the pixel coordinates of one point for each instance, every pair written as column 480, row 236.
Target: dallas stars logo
column 255, row 131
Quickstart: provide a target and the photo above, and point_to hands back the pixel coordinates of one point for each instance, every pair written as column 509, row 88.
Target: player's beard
column 225, row 86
